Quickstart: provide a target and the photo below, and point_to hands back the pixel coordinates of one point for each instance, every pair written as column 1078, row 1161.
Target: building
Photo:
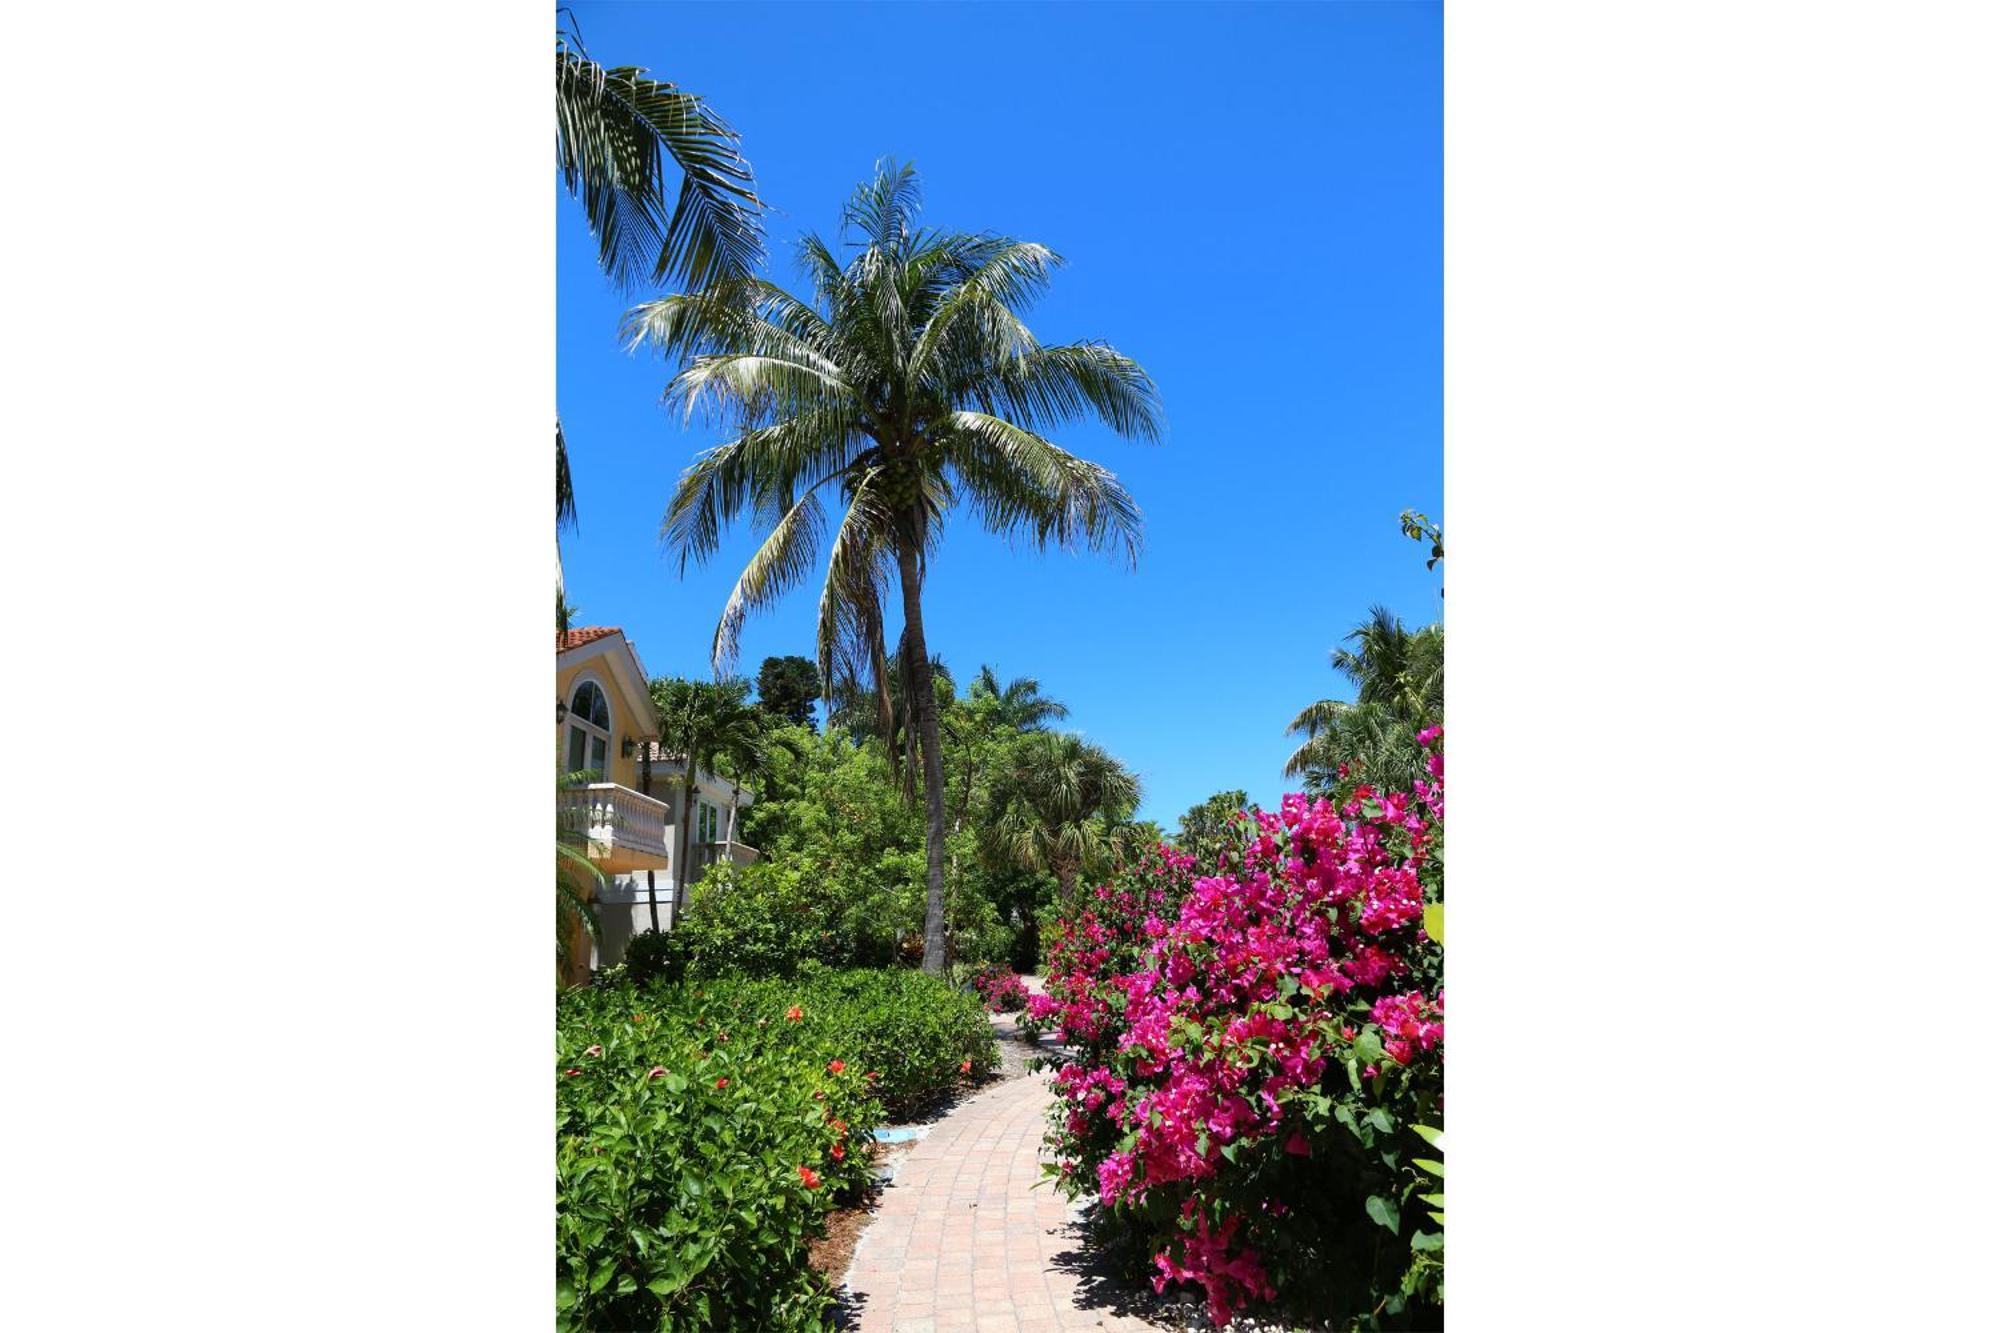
column 627, row 811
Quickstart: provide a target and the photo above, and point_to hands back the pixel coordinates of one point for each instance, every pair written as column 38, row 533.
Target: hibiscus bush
column 705, row 1129
column 1253, row 1042
column 1000, row 987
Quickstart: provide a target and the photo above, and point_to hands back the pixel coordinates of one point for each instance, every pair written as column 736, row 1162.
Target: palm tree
column 1398, row 677
column 906, row 384
column 1020, row 702
column 1059, row 806
column 1390, row 665
column 710, row 726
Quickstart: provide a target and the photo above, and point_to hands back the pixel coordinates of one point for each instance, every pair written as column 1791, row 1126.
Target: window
column 588, row 742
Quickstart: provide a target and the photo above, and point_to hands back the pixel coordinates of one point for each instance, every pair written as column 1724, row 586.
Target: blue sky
column 1249, row 198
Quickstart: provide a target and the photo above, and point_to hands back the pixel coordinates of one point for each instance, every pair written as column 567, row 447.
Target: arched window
column 588, row 744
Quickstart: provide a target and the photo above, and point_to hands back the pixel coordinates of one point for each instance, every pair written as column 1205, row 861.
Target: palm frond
column 565, row 493
column 1053, row 385
column 615, row 129
column 883, row 208
column 787, row 456
column 1021, row 483
column 778, row 566
column 984, row 300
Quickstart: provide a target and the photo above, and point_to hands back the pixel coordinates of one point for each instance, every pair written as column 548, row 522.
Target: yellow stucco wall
column 623, row 771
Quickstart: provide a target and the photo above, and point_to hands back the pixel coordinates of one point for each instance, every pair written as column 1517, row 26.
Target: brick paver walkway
column 962, row 1240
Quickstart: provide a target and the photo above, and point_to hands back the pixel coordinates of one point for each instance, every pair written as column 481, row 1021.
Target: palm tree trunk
column 925, row 691
column 681, row 855
column 646, row 789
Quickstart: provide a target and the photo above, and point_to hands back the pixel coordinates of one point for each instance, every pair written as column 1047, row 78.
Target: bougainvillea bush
column 705, row 1129
column 1252, row 1042
column 1000, row 988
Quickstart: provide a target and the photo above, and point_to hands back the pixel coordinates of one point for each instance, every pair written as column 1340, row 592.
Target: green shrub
column 652, row 955
column 760, row 920
column 689, row 1114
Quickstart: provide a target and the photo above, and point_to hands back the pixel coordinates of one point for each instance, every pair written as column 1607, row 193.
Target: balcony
column 622, row 830
column 702, row 855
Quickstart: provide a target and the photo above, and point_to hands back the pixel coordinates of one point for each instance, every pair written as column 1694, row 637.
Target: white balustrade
column 611, row 817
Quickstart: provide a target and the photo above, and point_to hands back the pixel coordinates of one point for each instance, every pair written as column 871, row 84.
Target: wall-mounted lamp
column 627, row 747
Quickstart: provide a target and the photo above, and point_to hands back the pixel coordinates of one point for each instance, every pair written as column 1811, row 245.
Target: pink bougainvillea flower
column 838, row 1152
column 571, row 1073
column 836, row 1066
column 965, row 1066
column 871, row 1075
column 657, row 1071
column 810, row 1177
column 593, row 1050
column 1297, row 1145
column 794, row 1014
column 721, row 1083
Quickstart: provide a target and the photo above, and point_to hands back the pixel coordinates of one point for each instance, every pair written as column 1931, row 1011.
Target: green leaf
column 1382, row 1120
column 1368, row 1046
column 1434, row 922
column 1383, row 1212
column 1430, row 1134
column 1431, row 1165
column 1427, row 1240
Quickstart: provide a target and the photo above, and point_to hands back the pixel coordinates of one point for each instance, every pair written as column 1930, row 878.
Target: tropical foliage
column 1058, row 804
column 842, row 840
column 787, row 688
column 904, row 385
column 1253, row 1050
column 616, row 130
column 1398, row 678
column 1206, row 830
column 704, row 1131
column 710, row 727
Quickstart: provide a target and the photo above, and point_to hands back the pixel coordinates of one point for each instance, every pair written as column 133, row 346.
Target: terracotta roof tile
column 577, row 638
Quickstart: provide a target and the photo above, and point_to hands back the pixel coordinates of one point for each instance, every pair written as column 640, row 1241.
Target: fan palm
column 1398, row 677
column 905, row 384
column 1059, row 805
